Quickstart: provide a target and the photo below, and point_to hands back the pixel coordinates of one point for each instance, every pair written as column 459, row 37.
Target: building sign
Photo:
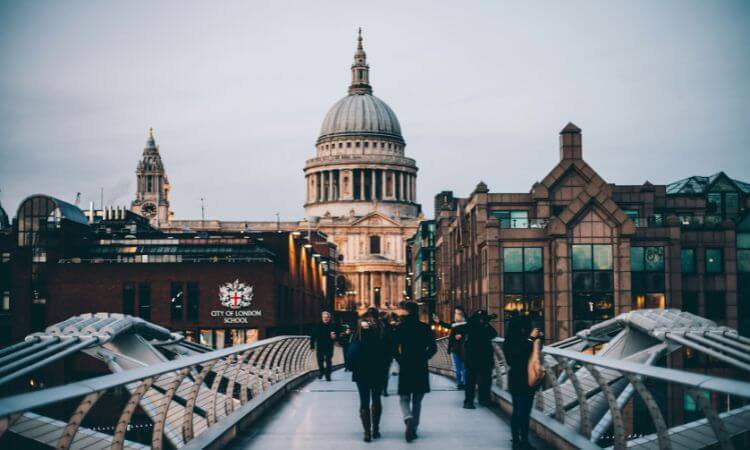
column 236, row 296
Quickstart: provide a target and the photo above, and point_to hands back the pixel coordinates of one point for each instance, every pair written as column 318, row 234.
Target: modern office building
column 420, row 266
column 577, row 249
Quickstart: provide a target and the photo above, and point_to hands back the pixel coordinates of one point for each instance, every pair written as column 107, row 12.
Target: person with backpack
column 522, row 342
column 480, row 358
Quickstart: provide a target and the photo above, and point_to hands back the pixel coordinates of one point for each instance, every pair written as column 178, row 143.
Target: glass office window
column 513, row 259
column 687, row 260
column 176, row 301
column 636, row 259
column 582, row 259
column 602, row 257
column 714, row 260
column 128, row 299
column 743, row 252
column 532, row 259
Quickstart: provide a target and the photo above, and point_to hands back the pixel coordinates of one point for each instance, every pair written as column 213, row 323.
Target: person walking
column 518, row 347
column 368, row 354
column 390, row 322
column 480, row 358
column 456, row 342
column 414, row 345
column 322, row 341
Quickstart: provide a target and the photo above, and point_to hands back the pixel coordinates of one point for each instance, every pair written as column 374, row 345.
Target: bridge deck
column 323, row 415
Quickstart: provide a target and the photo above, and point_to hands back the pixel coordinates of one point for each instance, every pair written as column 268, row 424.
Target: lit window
column 5, row 306
column 714, row 260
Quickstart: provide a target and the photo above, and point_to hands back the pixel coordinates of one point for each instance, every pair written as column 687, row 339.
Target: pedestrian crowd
column 371, row 346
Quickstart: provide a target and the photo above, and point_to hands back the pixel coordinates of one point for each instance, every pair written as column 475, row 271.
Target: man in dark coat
column 414, row 345
column 480, row 358
column 322, row 340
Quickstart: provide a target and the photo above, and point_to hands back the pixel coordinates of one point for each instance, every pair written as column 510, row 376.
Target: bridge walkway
column 324, row 416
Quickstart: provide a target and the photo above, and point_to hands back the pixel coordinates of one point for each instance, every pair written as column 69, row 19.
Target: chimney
column 570, row 142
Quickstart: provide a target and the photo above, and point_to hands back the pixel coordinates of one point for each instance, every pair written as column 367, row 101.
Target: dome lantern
column 360, row 70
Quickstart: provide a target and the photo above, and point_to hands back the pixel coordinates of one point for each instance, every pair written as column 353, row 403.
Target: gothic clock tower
column 152, row 192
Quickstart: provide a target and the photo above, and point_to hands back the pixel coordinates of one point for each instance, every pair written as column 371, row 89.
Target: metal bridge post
column 67, row 436
column 118, row 440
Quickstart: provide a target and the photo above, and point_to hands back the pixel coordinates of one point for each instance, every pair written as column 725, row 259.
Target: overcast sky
column 236, row 93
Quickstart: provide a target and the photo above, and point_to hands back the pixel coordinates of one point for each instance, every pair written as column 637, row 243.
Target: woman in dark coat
column 368, row 354
column 480, row 358
column 414, row 345
column 518, row 346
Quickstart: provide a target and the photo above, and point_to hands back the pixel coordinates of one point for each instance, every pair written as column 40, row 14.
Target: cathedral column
column 318, row 187
column 341, row 184
column 331, row 190
column 383, row 181
column 401, row 185
column 373, row 191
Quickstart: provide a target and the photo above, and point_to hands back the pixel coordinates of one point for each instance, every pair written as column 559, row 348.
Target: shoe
column 364, row 415
column 469, row 405
column 376, row 412
column 410, row 433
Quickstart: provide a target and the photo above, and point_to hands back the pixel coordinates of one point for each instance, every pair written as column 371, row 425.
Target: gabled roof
column 699, row 185
column 366, row 218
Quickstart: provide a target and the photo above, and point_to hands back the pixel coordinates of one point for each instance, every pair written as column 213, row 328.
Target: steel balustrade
column 184, row 397
column 574, row 379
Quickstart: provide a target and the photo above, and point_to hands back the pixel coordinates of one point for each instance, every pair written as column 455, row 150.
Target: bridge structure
column 615, row 385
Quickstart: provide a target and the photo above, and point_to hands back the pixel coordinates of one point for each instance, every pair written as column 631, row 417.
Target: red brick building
column 576, row 249
column 218, row 288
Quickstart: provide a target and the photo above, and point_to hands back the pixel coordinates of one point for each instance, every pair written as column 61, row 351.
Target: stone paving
column 324, row 416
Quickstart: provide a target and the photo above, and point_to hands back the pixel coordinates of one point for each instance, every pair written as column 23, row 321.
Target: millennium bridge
column 624, row 383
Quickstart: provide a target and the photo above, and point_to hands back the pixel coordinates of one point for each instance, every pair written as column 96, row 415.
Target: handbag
column 535, row 368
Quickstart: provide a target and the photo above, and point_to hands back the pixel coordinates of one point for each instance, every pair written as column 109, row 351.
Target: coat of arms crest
column 235, row 295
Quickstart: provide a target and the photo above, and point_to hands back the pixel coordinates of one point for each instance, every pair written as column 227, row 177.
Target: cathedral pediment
column 375, row 219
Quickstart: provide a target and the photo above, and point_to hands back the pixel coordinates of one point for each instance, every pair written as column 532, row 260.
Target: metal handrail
column 581, row 377
column 171, row 393
column 30, row 400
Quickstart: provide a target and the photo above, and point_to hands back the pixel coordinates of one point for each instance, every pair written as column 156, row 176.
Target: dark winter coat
column 414, row 344
column 368, row 356
column 517, row 356
column 478, row 348
column 320, row 339
column 456, row 346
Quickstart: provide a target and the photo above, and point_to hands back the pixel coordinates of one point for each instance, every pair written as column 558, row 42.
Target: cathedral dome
column 361, row 115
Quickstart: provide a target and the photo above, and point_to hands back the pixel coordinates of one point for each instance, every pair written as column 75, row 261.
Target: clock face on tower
column 148, row 210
